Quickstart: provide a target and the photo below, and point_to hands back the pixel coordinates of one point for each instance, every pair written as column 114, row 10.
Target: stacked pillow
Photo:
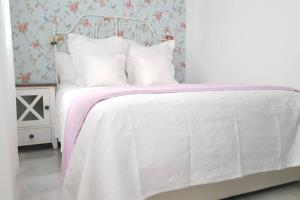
column 151, row 65
column 104, row 62
column 65, row 68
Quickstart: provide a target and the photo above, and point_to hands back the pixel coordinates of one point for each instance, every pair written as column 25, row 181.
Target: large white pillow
column 139, row 55
column 65, row 68
column 104, row 71
column 154, row 70
column 81, row 46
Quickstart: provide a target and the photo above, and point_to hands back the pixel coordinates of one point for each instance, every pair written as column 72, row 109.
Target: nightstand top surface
column 37, row 85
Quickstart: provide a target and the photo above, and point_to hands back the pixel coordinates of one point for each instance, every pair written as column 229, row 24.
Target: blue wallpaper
column 32, row 24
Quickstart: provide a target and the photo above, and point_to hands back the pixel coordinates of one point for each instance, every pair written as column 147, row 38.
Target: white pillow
column 154, row 70
column 104, row 71
column 138, row 55
column 65, row 68
column 81, row 46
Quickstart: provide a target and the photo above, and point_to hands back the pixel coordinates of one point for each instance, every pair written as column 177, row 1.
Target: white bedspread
column 133, row 147
column 64, row 96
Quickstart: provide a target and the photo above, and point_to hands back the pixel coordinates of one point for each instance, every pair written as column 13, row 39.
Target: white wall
column 243, row 41
column 8, row 144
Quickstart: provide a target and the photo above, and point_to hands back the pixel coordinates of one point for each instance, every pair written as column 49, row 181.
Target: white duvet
column 132, row 147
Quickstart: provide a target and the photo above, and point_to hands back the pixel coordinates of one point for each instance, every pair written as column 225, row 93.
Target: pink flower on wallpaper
column 129, row 5
column 178, row 50
column 168, row 33
column 182, row 64
column 36, row 45
column 148, row 1
column 103, row 3
column 168, row 30
column 120, row 33
column 158, row 15
column 73, row 6
column 33, row 59
column 85, row 23
column 22, row 27
column 24, row 77
column 61, row 38
column 169, row 37
column 183, row 25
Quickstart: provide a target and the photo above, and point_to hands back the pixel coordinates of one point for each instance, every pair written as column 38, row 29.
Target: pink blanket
column 81, row 106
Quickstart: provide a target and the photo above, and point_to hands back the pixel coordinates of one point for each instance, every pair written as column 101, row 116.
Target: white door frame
column 8, row 124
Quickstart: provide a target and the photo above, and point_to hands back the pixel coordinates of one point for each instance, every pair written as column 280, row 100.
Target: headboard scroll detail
column 127, row 27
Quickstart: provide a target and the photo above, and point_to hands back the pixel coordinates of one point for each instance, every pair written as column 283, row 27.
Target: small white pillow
column 154, row 70
column 65, row 68
column 81, row 46
column 138, row 55
column 104, row 71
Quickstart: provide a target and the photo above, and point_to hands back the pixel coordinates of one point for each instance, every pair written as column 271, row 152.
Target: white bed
column 211, row 106
column 215, row 144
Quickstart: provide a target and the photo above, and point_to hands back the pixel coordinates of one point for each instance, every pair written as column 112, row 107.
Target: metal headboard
column 118, row 27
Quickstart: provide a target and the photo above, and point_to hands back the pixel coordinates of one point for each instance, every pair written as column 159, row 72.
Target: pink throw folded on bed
column 81, row 106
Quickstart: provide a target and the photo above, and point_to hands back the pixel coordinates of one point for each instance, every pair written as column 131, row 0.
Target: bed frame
column 234, row 187
column 119, row 26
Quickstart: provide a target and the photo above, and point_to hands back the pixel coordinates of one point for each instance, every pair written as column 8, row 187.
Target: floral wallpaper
column 32, row 25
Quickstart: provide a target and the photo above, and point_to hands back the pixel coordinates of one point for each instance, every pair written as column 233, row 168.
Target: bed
column 176, row 141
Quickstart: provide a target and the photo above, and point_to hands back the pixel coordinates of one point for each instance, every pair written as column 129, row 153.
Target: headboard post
column 54, row 41
column 117, row 26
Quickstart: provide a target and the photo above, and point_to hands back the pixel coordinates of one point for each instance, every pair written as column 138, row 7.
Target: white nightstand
column 35, row 114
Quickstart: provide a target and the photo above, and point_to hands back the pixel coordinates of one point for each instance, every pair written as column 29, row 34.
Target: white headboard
column 101, row 26
column 127, row 27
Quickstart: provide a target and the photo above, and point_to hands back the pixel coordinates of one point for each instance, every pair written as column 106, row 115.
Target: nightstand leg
column 54, row 143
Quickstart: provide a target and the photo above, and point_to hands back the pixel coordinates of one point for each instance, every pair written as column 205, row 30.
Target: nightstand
column 35, row 114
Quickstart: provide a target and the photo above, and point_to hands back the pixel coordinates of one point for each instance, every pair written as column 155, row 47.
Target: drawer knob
column 31, row 136
column 47, row 107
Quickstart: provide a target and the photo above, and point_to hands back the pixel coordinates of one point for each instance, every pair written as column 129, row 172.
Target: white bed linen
column 133, row 147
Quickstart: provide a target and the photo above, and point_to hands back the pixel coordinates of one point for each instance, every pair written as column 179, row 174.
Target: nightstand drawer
column 34, row 136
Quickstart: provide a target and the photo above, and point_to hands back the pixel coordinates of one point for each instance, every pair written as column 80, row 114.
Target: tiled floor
column 40, row 179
